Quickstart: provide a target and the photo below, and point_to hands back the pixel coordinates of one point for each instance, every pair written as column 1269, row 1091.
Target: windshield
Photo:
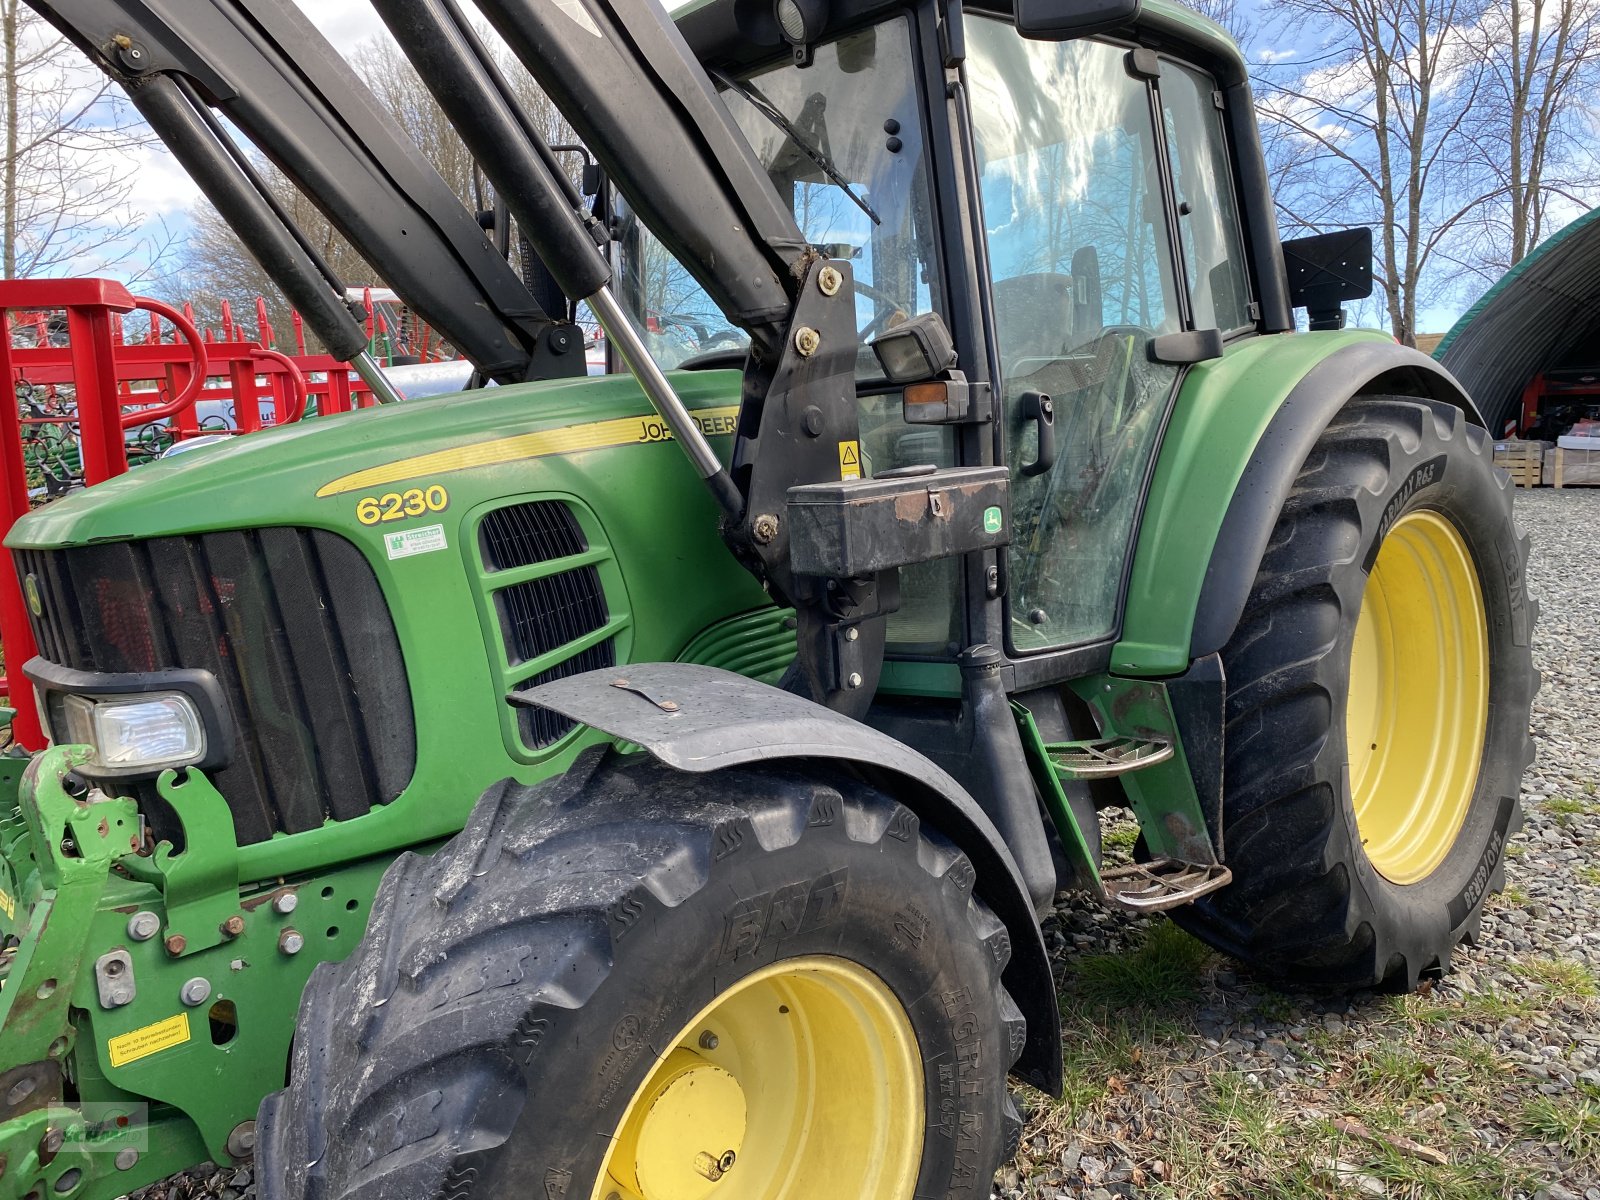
column 842, row 142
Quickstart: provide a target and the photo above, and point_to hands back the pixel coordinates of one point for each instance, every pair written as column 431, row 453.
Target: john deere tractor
column 648, row 787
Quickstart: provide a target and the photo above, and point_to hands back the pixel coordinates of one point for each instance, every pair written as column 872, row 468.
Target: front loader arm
column 272, row 75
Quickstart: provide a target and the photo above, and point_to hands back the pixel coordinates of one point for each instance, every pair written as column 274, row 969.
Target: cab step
column 1105, row 758
column 1162, row 883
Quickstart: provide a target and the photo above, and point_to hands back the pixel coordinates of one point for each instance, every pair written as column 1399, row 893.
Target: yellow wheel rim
column 802, row 1080
column 1419, row 697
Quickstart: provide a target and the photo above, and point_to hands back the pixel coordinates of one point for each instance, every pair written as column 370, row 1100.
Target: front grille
column 293, row 625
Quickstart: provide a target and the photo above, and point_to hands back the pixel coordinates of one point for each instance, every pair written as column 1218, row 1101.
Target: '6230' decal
column 397, row 506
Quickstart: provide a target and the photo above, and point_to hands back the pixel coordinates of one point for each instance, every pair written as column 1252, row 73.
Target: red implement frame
column 101, row 366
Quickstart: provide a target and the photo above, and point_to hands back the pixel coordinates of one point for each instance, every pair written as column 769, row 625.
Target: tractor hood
column 497, row 441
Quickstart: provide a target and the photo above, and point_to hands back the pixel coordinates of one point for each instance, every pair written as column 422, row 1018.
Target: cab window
column 1208, row 216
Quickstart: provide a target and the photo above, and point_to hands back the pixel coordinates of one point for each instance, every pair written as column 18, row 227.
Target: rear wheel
column 1379, row 687
column 637, row 984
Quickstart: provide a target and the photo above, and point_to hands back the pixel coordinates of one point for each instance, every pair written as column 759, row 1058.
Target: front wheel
column 1379, row 687
column 636, row 984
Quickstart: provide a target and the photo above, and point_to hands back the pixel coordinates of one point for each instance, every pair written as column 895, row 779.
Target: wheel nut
column 196, row 991
column 233, row 926
column 176, row 944
column 143, row 926
column 285, row 903
column 807, row 340
column 291, row 941
column 708, row 1040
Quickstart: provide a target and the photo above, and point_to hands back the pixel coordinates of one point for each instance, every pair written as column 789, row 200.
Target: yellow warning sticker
column 849, row 460
column 8, row 905
column 130, row 1047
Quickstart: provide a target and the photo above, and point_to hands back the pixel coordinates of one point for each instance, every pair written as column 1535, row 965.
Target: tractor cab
column 1072, row 209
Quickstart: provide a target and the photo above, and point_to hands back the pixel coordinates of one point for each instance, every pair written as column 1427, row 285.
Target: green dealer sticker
column 992, row 519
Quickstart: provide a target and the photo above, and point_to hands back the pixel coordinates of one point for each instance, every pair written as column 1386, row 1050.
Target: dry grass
column 1161, row 1084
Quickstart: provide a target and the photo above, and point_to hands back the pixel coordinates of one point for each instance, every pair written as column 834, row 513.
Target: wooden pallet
column 1572, row 468
column 1524, row 461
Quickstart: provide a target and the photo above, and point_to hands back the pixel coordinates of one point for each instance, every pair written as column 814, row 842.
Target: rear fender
column 1240, row 431
column 702, row 719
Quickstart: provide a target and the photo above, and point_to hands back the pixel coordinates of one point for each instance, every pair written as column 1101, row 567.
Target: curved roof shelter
column 1542, row 315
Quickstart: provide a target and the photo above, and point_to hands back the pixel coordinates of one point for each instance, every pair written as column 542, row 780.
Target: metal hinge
column 1216, row 99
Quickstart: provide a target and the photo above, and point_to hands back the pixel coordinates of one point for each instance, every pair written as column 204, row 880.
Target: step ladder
column 1162, row 883
column 1105, row 758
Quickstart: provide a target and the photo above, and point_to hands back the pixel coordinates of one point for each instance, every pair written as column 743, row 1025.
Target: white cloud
column 1275, row 56
column 345, row 23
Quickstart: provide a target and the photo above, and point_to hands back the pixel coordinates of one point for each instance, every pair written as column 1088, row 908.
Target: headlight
column 916, row 349
column 136, row 734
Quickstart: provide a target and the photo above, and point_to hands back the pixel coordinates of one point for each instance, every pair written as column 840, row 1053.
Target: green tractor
column 505, row 805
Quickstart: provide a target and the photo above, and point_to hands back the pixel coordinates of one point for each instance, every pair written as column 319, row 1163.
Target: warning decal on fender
column 130, row 1047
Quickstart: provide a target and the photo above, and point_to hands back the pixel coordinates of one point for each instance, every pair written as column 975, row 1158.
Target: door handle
column 1041, row 410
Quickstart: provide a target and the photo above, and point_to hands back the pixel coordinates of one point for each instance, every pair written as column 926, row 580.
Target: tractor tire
column 1379, row 687
column 635, row 982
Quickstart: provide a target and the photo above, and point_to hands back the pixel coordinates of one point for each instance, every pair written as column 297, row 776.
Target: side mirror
column 1327, row 269
column 1057, row 20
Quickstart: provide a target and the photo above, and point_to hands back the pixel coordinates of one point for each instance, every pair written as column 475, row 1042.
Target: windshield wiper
column 821, row 161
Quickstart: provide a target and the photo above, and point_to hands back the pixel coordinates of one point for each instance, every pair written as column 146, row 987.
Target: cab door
column 1100, row 175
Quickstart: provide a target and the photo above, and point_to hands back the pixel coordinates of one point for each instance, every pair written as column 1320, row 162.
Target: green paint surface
column 1222, row 411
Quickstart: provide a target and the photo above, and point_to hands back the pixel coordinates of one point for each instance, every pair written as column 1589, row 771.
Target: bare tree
column 1375, row 130
column 67, row 181
column 1534, row 133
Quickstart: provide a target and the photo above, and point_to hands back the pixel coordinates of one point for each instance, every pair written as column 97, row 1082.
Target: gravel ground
column 1188, row 1078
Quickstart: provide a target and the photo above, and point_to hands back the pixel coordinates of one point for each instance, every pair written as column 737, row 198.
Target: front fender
column 1240, row 431
column 702, row 719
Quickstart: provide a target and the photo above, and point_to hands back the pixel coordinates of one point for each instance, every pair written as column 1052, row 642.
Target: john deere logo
column 30, row 589
column 992, row 520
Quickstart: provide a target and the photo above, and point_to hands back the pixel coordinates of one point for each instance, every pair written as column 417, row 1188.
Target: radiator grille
column 293, row 625
column 549, row 613
column 545, row 614
column 522, row 534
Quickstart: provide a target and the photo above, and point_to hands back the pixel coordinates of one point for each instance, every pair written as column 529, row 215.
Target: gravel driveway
column 1186, row 1078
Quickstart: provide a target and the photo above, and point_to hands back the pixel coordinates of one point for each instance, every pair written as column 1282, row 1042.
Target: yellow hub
column 803, row 1079
column 1419, row 697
